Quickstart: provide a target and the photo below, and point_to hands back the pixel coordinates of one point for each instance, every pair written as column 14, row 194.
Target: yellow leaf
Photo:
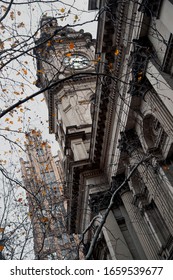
column 30, row 214
column 68, row 54
column 49, row 43
column 71, row 46
column 43, row 144
column 62, row 10
column 58, row 41
column 7, row 119
column 24, row 71
column 76, row 17
column 1, row 248
column 40, row 71
column 32, row 99
column 11, row 122
column 34, row 131
column 42, row 99
column 21, row 110
column 4, row 90
column 17, row 93
column 44, row 219
column 43, row 193
column 47, row 168
column 2, row 229
column 116, row 52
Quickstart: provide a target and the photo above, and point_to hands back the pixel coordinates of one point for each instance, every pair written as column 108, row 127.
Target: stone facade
column 124, row 149
column 138, row 125
column 42, row 178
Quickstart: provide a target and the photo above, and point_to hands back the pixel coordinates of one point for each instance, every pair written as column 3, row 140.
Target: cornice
column 104, row 121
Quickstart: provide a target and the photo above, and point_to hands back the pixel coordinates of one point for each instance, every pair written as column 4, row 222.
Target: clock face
column 76, row 61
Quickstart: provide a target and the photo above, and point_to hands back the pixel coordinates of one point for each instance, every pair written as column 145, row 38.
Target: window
column 93, row 4
column 157, row 225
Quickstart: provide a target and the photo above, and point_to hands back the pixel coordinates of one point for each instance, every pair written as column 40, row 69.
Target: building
column 47, row 206
column 93, row 4
column 124, row 151
column 61, row 53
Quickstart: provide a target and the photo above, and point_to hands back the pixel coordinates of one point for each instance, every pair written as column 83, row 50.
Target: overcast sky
column 32, row 114
column 36, row 110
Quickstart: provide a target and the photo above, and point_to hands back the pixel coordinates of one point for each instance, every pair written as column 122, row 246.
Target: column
column 144, row 235
column 160, row 111
column 156, row 188
column 114, row 239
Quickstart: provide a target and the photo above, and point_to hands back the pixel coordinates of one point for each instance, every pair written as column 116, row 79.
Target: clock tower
column 65, row 60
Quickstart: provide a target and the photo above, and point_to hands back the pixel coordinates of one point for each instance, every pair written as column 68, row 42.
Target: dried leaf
column 40, row 71
column 44, row 219
column 43, row 144
column 1, row 248
column 117, row 52
column 43, row 193
column 12, row 15
column 25, row 71
column 49, row 43
column 1, row 45
column 165, row 167
column 21, row 24
column 71, row 45
column 68, row 54
column 62, row 10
